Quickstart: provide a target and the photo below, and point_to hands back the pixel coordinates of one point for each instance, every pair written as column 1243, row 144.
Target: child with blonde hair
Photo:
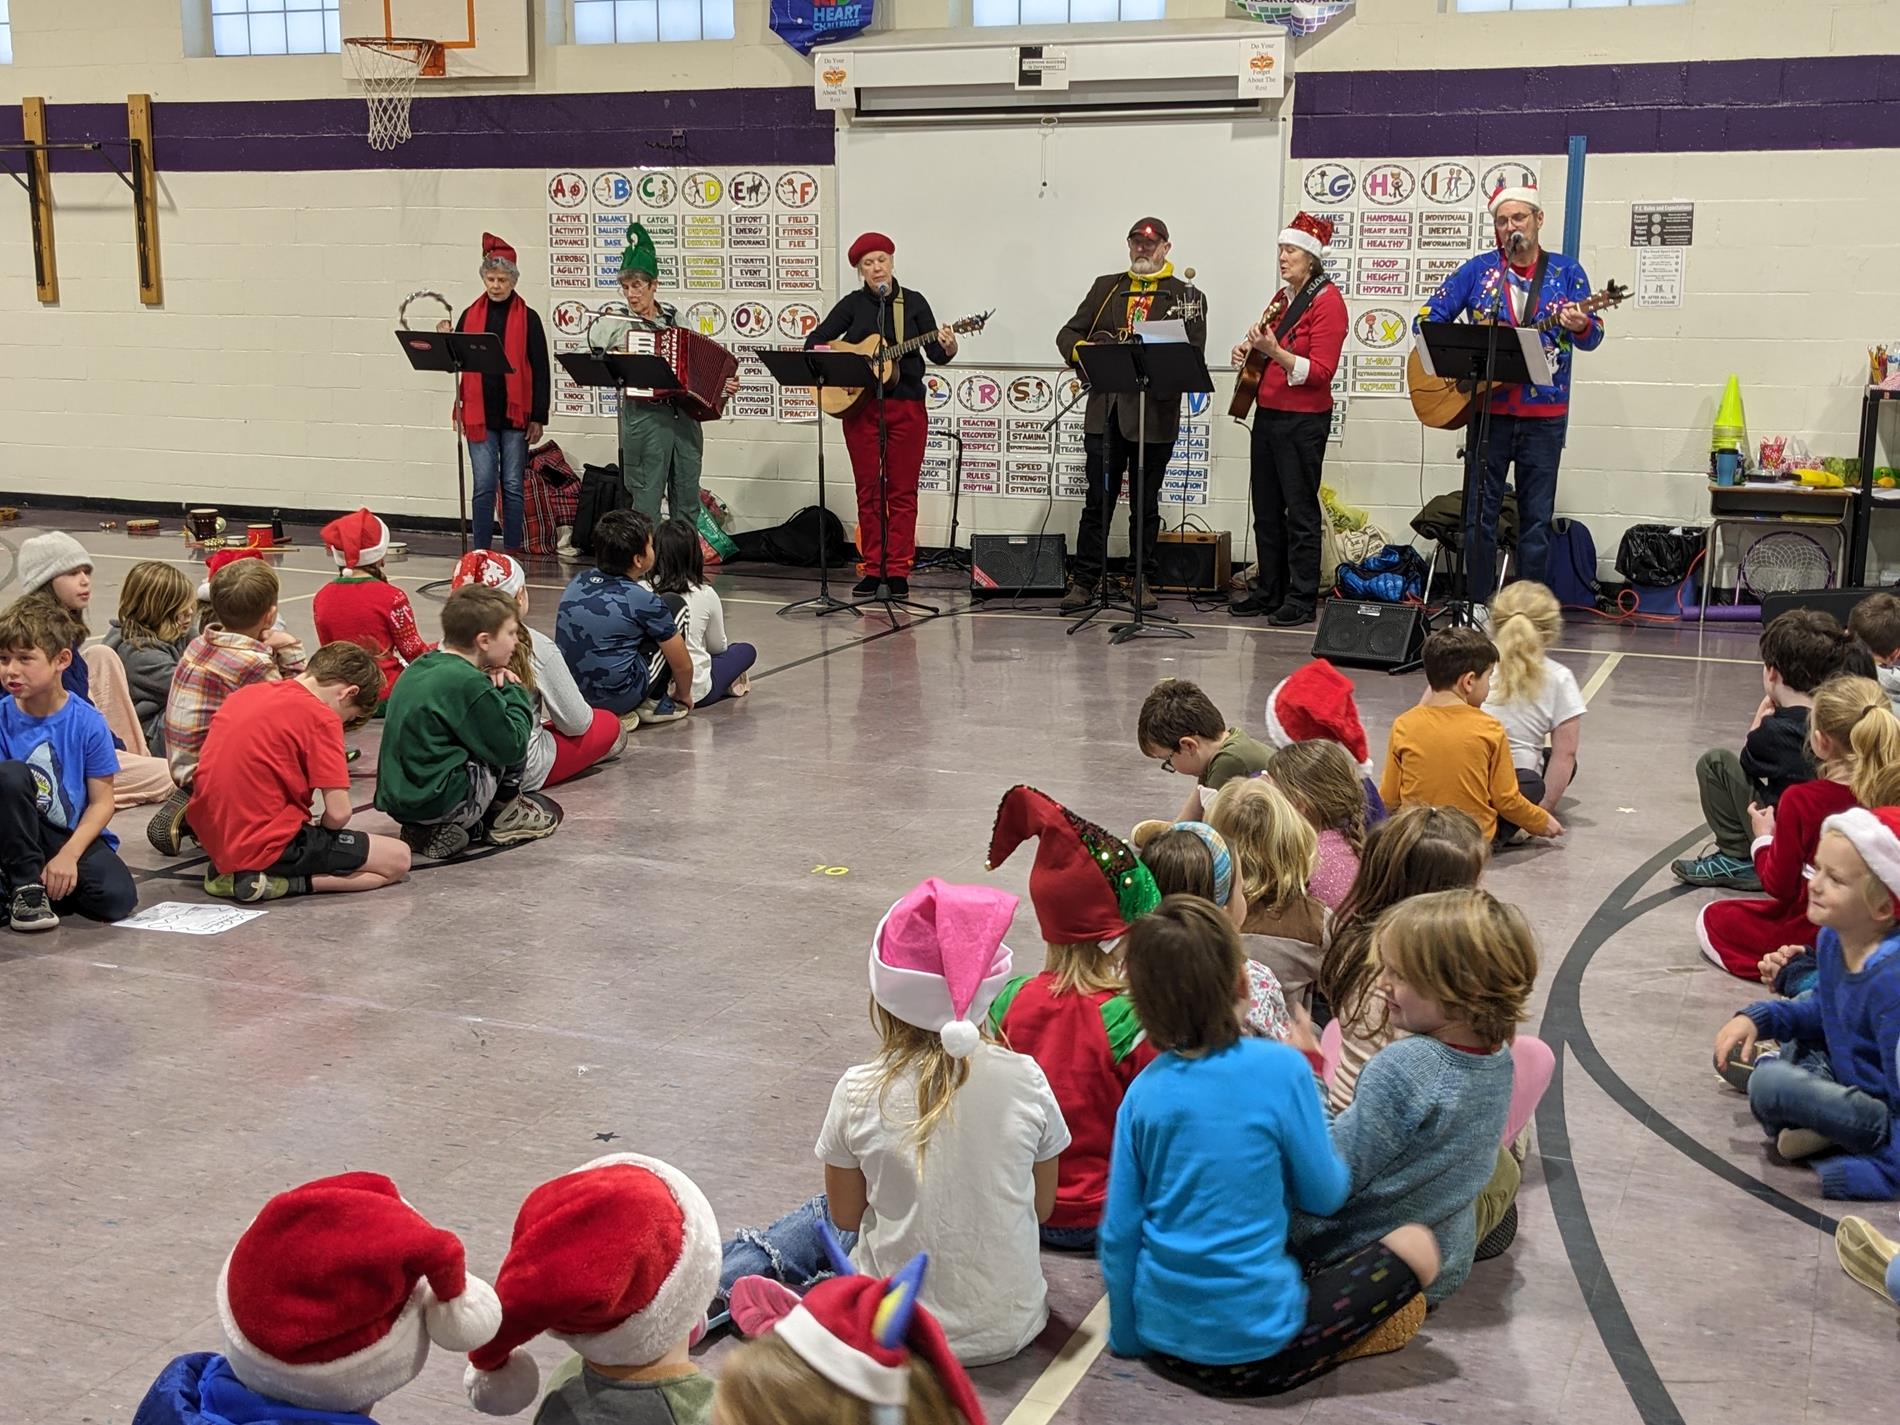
column 157, row 605
column 1533, row 695
column 1319, row 778
column 1854, row 738
column 1417, row 851
column 1420, row 1138
column 1285, row 927
column 946, row 1143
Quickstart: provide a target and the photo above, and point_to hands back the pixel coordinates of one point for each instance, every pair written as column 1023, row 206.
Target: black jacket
column 858, row 315
column 1105, row 310
column 495, row 387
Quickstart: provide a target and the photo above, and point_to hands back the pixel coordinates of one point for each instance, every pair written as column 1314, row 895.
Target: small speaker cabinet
column 1006, row 565
column 1194, row 561
column 1362, row 634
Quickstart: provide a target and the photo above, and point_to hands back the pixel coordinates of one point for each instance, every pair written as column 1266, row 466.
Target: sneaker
column 1390, row 1334
column 1736, row 1073
column 167, row 829
column 1481, row 618
column 630, row 720
column 1498, row 1240
column 1078, row 597
column 31, row 910
column 1794, row 1144
column 620, row 746
column 246, row 887
column 438, row 842
column 1718, row 868
column 529, row 817
column 866, row 585
column 1289, row 616
column 661, row 713
column 647, row 707
column 1251, row 607
column 1865, row 1254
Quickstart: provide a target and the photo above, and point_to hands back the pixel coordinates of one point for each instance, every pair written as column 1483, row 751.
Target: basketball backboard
column 480, row 39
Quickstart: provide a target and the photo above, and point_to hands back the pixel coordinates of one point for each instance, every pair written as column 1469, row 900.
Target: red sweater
column 1318, row 336
column 371, row 614
column 1738, row 933
column 1089, row 1047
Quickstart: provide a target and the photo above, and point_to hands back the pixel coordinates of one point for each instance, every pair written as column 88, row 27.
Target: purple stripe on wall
column 719, row 127
column 1841, row 101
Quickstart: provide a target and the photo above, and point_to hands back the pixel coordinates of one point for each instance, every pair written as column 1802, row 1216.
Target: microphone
column 883, row 289
column 1187, row 275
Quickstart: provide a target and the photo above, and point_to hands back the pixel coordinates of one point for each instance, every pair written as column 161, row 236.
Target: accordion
column 704, row 367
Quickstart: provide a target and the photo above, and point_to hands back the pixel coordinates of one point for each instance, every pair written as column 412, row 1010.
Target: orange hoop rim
column 429, row 55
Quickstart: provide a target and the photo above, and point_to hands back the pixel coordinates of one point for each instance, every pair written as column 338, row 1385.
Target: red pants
column 574, row 755
column 905, row 427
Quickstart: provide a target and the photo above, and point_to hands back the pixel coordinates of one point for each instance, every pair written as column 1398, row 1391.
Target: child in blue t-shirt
column 620, row 640
column 56, row 770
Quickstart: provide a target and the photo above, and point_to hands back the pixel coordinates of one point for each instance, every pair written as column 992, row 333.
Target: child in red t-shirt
column 1075, row 1019
column 271, row 747
column 362, row 606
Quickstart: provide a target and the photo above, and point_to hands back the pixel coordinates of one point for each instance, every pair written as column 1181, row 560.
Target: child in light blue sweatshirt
column 1216, row 1142
column 1420, row 1137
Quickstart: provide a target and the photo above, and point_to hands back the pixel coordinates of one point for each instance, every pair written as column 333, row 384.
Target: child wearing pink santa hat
column 946, row 1143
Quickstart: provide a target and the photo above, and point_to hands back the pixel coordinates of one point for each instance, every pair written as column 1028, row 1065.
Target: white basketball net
column 388, row 70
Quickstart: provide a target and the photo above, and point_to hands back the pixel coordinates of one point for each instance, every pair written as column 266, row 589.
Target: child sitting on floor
column 1315, row 703
column 273, row 747
column 616, row 1260
column 1413, row 853
column 623, row 644
column 1285, row 927
column 679, row 578
column 1320, row 780
column 56, row 764
column 1180, row 728
column 1835, row 1086
column 1075, row 1019
column 456, row 737
column 240, row 647
column 1800, row 650
column 1217, row 1142
column 1448, row 751
column 1875, row 621
column 946, row 1143
column 1533, row 695
column 1421, row 1135
column 156, row 611
column 361, row 606
column 571, row 736
column 1855, row 739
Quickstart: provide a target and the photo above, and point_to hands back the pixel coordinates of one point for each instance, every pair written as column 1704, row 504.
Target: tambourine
column 402, row 312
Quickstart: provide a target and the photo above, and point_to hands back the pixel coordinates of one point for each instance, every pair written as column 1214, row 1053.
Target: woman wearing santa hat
column 503, row 415
column 1300, row 334
column 887, row 533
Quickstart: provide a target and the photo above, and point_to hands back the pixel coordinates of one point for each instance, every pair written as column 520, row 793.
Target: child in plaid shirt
column 241, row 647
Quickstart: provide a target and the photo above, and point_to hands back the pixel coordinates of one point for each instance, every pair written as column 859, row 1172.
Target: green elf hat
column 640, row 256
column 1087, row 883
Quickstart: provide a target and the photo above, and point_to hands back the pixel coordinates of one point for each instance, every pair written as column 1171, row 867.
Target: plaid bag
column 550, row 491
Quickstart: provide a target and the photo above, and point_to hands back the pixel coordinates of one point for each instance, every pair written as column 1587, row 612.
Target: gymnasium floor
column 680, row 971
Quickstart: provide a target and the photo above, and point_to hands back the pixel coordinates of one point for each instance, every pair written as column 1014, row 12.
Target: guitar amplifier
column 1006, row 565
column 1362, row 634
column 1193, row 561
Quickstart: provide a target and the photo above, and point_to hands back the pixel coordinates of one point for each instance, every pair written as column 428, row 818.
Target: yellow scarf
column 1141, row 292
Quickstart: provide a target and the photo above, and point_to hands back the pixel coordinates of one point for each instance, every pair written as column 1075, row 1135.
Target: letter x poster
column 1400, row 228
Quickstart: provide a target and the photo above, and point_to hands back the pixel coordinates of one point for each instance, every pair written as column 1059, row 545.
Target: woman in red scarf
column 503, row 415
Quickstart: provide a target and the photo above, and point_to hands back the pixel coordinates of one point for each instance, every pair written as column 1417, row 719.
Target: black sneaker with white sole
column 439, row 841
column 32, row 910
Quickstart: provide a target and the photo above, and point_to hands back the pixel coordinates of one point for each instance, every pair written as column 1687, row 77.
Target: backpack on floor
column 1392, row 576
column 602, row 492
column 1573, row 564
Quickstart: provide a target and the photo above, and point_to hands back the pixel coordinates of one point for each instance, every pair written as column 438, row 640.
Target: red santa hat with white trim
column 1315, row 704
column 496, row 571
column 1525, row 192
column 334, row 1294
column 1875, row 835
column 617, row 1259
column 1314, row 235
column 221, row 559
column 356, row 539
column 938, row 959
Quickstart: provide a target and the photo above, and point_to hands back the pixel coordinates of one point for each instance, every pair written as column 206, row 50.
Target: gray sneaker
column 438, row 841
column 1718, row 868
column 31, row 910
column 529, row 817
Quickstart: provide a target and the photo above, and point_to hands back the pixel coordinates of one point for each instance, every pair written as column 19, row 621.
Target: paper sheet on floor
column 184, row 918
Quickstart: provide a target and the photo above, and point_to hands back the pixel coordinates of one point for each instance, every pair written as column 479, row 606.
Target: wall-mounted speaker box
column 1368, row 635
column 1005, row 565
column 1194, row 561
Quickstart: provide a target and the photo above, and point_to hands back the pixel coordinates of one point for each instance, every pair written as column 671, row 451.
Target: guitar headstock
column 1613, row 295
column 963, row 326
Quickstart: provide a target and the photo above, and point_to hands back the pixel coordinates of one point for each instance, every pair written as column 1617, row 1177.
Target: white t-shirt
column 702, row 623
column 973, row 1209
column 1528, row 722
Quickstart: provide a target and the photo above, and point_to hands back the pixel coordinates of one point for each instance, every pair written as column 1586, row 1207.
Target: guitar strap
column 897, row 318
column 1299, row 304
column 1536, row 294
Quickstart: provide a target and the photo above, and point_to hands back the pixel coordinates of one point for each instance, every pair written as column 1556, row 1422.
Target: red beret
column 869, row 242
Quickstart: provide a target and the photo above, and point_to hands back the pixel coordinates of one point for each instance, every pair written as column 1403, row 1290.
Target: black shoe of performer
column 1251, row 607
column 866, row 585
column 899, row 586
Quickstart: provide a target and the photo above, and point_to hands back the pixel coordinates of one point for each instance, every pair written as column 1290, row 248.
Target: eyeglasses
column 1167, row 763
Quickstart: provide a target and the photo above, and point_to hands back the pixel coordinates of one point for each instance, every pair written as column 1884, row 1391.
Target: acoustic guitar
column 1445, row 404
column 842, row 400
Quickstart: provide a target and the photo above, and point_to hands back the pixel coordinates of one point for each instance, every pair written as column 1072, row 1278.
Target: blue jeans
column 1803, row 1094
column 1533, row 444
column 789, row 1251
column 504, row 453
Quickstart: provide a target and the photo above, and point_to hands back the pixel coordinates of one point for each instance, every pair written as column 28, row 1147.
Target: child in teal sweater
column 1216, row 1142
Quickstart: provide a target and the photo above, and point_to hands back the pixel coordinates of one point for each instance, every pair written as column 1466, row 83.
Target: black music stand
column 455, row 353
column 620, row 370
column 1160, row 369
column 819, row 369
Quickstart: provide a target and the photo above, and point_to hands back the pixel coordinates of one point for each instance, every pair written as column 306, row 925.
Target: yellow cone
column 1731, row 427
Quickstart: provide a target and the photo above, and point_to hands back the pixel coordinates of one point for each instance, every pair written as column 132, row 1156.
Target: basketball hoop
column 388, row 70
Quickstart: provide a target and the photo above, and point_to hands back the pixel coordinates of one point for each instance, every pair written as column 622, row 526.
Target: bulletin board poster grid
column 741, row 255
column 1400, row 228
column 1000, row 417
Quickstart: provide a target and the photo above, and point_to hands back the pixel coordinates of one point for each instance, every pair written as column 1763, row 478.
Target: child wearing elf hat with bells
column 945, row 1143
column 329, row 1303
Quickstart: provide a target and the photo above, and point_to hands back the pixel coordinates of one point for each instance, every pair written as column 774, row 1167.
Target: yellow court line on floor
column 1600, row 677
column 1052, row 1388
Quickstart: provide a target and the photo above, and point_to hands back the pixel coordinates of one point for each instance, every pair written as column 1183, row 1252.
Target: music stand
column 818, row 369
column 455, row 353
column 1160, row 369
column 619, row 369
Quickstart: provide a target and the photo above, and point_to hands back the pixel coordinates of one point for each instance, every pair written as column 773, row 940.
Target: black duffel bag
column 1659, row 555
column 602, row 492
column 795, row 542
